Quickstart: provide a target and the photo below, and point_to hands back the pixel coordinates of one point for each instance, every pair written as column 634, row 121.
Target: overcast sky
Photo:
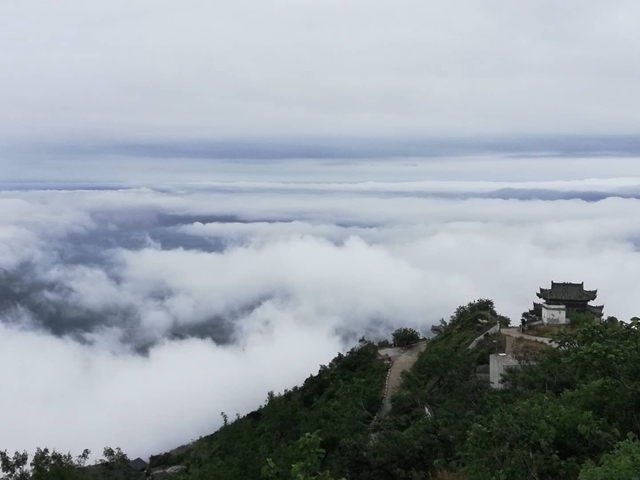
column 158, row 69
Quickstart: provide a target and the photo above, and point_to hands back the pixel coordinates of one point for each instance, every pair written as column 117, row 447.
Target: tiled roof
column 596, row 310
column 567, row 291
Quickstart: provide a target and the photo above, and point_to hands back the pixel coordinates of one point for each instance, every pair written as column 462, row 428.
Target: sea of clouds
column 136, row 308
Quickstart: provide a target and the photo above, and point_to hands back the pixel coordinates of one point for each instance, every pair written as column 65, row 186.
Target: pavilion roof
column 568, row 292
column 596, row 310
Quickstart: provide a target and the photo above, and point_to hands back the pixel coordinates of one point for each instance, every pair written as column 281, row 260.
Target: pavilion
column 564, row 298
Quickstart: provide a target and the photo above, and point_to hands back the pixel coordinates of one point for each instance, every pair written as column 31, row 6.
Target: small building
column 562, row 299
column 498, row 365
column 554, row 314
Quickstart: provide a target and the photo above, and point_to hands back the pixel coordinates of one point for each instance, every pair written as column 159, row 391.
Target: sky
column 151, row 69
column 201, row 203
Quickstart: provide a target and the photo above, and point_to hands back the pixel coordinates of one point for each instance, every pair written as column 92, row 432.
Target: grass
column 522, row 345
column 548, row 331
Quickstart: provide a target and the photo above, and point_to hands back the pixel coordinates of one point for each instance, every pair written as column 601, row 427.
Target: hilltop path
column 402, row 363
column 516, row 333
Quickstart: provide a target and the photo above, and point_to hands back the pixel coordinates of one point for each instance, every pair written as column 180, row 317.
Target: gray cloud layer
column 214, row 69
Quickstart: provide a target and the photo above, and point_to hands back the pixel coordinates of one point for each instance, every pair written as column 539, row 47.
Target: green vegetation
column 45, row 465
column 622, row 464
column 571, row 412
column 52, row 465
column 309, row 466
column 405, row 336
column 338, row 405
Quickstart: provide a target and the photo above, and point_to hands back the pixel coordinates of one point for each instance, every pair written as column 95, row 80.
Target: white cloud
column 293, row 270
column 64, row 395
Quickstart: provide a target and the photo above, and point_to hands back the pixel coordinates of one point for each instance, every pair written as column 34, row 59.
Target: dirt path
column 402, row 363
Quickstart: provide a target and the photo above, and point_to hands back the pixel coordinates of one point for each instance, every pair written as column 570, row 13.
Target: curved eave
column 591, row 294
column 596, row 310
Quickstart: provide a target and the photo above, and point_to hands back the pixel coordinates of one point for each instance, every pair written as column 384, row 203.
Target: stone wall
column 384, row 397
column 477, row 340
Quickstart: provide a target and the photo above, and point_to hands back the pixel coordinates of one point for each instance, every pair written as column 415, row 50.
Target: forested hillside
column 571, row 412
column 338, row 405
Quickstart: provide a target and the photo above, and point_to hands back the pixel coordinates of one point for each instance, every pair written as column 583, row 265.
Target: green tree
column 440, row 328
column 115, row 466
column 309, row 463
column 405, row 336
column 543, row 436
column 14, row 467
column 622, row 464
column 45, row 465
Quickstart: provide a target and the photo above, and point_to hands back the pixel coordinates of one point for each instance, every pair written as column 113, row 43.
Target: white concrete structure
column 498, row 364
column 554, row 314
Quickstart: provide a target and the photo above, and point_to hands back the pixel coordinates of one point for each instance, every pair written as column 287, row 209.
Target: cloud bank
column 134, row 315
